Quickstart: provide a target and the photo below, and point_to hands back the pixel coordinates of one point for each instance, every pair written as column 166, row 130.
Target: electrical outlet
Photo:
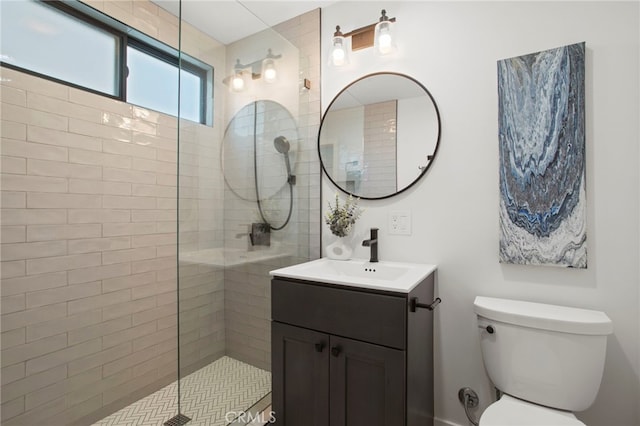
column 400, row 222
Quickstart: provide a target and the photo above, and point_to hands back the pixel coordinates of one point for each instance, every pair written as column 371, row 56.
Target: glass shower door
column 248, row 183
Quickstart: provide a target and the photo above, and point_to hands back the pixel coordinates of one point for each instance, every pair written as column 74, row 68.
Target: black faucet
column 373, row 243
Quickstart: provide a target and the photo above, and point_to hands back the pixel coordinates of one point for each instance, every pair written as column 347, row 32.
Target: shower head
column 282, row 144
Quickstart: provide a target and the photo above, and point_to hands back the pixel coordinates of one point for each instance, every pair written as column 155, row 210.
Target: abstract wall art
column 541, row 120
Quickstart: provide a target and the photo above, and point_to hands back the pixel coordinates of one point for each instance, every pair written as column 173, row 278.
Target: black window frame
column 128, row 36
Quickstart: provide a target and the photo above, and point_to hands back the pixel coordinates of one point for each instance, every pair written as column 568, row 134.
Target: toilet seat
column 510, row 411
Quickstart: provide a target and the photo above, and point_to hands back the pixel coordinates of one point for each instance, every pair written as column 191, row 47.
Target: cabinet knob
column 335, row 351
column 319, row 347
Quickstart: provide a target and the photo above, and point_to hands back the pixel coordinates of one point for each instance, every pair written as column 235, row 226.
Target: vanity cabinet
column 350, row 356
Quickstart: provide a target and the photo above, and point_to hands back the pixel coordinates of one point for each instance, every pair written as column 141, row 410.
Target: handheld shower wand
column 282, row 146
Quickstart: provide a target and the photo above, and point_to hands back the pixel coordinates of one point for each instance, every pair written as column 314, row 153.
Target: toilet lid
column 510, row 411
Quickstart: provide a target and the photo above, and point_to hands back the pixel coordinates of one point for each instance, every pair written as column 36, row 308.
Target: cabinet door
column 300, row 374
column 367, row 384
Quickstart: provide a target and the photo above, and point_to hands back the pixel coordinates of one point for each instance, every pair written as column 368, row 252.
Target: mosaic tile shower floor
column 226, row 385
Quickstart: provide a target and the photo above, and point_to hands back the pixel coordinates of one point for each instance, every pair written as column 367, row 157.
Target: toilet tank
column 547, row 354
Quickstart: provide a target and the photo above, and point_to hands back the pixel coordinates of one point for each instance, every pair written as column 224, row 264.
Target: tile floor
column 224, row 386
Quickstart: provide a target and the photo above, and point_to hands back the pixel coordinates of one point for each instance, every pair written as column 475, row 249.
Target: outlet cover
column 400, row 222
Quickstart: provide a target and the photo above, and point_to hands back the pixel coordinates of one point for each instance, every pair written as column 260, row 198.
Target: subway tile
column 99, row 358
column 33, row 382
column 102, row 272
column 125, row 175
column 12, row 373
column 39, row 415
column 154, row 191
column 153, row 240
column 31, row 83
column 98, row 130
column 62, row 294
column 128, row 308
column 102, row 103
column 13, row 338
column 63, row 356
column 133, row 202
column 63, row 325
column 100, row 301
column 120, row 229
column 34, row 349
column 60, row 138
column 81, row 156
column 64, row 201
column 82, row 186
column 128, row 149
column 99, row 330
column 12, row 408
column 33, row 283
column 129, row 335
column 41, row 102
column 13, row 165
column 33, row 117
column 33, row 250
column 33, row 316
column 13, row 200
column 63, row 169
column 154, row 338
column 34, row 150
column 62, row 263
column 33, row 183
column 12, row 304
column 63, row 232
column 128, row 255
column 33, row 216
column 12, row 269
column 12, row 130
column 153, row 166
column 153, row 314
column 89, row 245
column 153, row 264
column 126, row 362
column 13, row 234
column 13, row 95
column 74, row 383
column 129, row 281
column 98, row 215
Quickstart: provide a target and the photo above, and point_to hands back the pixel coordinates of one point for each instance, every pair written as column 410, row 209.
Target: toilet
column 546, row 360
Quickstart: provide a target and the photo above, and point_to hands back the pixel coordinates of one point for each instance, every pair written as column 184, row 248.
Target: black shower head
column 282, row 144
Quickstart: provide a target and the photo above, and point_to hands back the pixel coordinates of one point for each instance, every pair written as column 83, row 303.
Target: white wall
column 452, row 48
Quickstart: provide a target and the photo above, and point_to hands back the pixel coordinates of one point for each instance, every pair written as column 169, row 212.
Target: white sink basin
column 388, row 276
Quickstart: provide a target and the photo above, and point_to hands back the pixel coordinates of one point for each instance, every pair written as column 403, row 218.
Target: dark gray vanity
column 343, row 354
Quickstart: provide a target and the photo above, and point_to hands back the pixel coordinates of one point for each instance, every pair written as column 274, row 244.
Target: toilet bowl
column 547, row 360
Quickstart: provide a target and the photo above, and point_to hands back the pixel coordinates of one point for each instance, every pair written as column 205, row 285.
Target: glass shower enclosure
column 139, row 226
column 245, row 205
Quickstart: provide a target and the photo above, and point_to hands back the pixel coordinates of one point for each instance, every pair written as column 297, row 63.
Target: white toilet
column 547, row 360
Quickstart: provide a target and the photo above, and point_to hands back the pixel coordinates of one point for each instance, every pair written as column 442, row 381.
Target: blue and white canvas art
column 542, row 158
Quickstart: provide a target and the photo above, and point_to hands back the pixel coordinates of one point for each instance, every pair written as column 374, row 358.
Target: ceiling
column 231, row 20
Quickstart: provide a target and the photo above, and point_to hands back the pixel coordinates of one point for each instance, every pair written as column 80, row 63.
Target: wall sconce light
column 380, row 35
column 262, row 68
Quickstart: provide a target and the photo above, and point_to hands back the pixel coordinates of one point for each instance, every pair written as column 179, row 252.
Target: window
column 72, row 43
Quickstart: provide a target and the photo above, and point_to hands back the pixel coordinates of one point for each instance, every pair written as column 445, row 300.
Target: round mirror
column 259, row 151
column 379, row 135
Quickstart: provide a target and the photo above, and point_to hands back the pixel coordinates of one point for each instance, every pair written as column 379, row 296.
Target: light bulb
column 269, row 70
column 338, row 54
column 237, row 83
column 384, row 42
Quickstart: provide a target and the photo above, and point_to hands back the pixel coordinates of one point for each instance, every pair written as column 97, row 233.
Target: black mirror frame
column 433, row 155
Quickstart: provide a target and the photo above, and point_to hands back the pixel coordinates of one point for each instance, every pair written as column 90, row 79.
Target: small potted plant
column 340, row 218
